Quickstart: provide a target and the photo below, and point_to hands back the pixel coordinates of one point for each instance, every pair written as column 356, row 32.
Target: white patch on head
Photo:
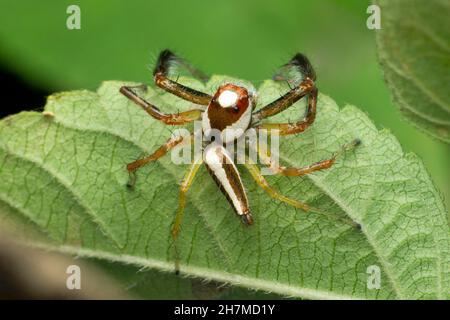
column 228, row 99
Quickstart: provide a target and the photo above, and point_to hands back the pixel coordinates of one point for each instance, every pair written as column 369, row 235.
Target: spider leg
column 305, row 88
column 262, row 182
column 185, row 185
column 167, row 118
column 299, row 126
column 161, row 151
column 291, row 171
column 165, row 60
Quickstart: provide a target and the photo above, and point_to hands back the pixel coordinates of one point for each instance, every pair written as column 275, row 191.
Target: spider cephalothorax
column 229, row 113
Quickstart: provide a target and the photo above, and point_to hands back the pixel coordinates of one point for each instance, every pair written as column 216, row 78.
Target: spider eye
column 236, row 109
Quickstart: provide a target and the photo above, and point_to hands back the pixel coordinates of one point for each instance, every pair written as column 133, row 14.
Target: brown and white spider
column 231, row 111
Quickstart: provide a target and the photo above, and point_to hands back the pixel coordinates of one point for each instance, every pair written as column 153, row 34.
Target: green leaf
column 414, row 48
column 154, row 284
column 64, row 175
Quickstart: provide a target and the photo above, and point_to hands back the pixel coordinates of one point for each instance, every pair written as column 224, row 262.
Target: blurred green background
column 247, row 39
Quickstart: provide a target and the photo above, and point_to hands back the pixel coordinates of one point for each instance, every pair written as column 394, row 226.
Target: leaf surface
column 64, row 177
column 414, row 51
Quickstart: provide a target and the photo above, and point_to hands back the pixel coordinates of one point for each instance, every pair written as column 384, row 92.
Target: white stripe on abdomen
column 215, row 155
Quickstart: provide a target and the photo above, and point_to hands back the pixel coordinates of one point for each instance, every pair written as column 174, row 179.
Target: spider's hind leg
column 262, row 182
column 185, row 185
column 292, row 171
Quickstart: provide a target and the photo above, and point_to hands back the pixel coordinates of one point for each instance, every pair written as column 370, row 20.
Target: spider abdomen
column 224, row 172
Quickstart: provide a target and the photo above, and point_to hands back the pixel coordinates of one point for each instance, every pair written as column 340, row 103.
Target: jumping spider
column 230, row 108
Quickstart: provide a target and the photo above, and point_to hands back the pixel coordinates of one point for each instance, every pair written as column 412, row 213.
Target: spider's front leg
column 161, row 151
column 167, row 118
column 306, row 88
column 165, row 61
column 299, row 126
